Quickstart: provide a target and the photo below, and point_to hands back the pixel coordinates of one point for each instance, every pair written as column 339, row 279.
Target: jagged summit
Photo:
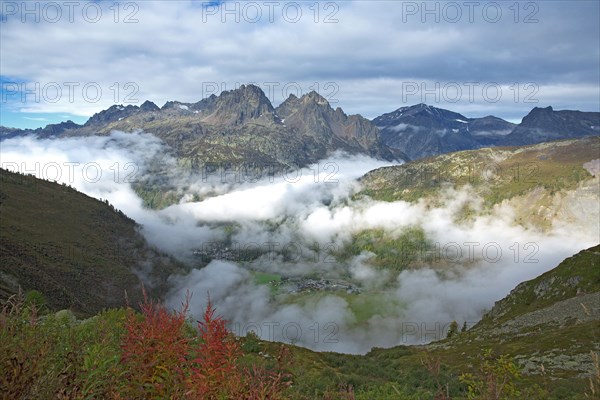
column 314, row 97
column 312, row 116
column 236, row 107
column 149, row 106
column 113, row 113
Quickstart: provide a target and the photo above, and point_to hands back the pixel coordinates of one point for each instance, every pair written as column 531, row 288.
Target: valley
column 352, row 264
column 354, row 253
column 336, row 200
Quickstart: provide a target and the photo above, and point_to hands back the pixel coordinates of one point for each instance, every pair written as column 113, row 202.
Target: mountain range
column 238, row 126
column 423, row 131
column 242, row 126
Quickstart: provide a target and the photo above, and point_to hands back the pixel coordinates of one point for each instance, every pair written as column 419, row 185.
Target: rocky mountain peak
column 312, row 116
column 149, row 106
column 306, row 106
column 235, row 107
column 112, row 114
column 289, row 106
column 539, row 112
column 544, row 124
column 422, row 130
column 314, row 97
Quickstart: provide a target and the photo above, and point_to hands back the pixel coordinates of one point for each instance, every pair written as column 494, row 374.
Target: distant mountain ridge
column 49, row 130
column 242, row 126
column 422, row 130
column 543, row 124
column 238, row 126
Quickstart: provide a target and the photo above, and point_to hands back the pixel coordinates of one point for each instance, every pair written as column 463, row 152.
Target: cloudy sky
column 67, row 60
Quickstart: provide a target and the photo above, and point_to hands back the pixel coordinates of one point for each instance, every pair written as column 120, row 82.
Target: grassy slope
column 495, row 173
column 575, row 276
column 79, row 252
column 563, row 348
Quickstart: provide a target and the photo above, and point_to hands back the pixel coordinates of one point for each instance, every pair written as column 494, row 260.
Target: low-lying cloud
column 298, row 226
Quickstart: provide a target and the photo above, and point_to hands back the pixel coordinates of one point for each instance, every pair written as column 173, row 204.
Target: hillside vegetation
column 495, row 173
column 511, row 354
column 74, row 251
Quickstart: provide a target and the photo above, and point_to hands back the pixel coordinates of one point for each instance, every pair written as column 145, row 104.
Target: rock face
column 422, row 130
column 113, row 114
column 149, row 106
column 237, row 107
column 312, row 116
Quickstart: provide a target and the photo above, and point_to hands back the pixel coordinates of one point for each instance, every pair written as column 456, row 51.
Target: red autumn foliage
column 214, row 368
column 155, row 348
column 163, row 362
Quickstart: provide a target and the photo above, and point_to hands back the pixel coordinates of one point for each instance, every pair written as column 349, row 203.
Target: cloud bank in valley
column 300, row 223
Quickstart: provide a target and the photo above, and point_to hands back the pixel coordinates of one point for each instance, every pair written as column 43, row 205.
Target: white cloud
column 482, row 259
